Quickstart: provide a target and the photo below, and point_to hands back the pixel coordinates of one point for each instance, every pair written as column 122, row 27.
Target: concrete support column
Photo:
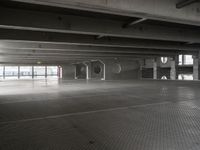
column 142, row 64
column 104, row 70
column 67, row 71
column 196, row 68
column 155, row 74
column 173, row 71
column 88, row 70
column 4, row 74
column 45, row 71
column 18, row 72
column 75, row 72
column 32, row 72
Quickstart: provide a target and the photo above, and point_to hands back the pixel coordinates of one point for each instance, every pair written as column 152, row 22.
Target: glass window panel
column 180, row 59
column 180, row 77
column 25, row 72
column 11, row 72
column 1, row 72
column 185, row 76
column 188, row 60
column 188, row 77
column 52, row 71
column 39, row 71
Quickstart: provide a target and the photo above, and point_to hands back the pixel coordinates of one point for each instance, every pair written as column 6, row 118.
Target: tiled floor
column 99, row 115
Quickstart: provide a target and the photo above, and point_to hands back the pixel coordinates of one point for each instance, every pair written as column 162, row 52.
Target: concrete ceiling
column 68, row 31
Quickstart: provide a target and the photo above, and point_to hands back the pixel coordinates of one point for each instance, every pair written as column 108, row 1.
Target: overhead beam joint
column 126, row 25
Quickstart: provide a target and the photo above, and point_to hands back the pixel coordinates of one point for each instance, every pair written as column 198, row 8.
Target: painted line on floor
column 53, row 98
column 82, row 113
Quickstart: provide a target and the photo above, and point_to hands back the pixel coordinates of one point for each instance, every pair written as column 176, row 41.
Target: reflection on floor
column 99, row 115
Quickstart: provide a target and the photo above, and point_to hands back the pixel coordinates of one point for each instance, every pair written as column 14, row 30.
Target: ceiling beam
column 163, row 9
column 73, row 57
column 184, row 3
column 88, row 51
column 52, row 56
column 26, row 46
column 16, row 38
column 49, row 22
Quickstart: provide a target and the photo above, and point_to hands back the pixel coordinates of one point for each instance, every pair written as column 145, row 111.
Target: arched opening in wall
column 97, row 70
column 81, row 71
column 164, row 60
column 163, row 78
column 117, row 68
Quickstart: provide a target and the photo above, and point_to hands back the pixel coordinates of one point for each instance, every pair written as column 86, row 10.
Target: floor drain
column 91, row 142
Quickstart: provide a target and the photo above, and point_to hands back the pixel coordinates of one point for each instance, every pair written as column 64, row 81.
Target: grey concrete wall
column 147, row 73
column 122, row 70
column 128, row 70
column 162, row 65
column 68, row 71
column 148, row 63
column 164, row 69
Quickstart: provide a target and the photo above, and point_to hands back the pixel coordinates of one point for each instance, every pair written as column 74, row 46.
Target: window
column 185, row 77
column 25, row 72
column 52, row 71
column 1, row 72
column 188, row 60
column 180, row 59
column 29, row 72
column 11, row 72
column 185, row 60
column 39, row 72
column 164, row 60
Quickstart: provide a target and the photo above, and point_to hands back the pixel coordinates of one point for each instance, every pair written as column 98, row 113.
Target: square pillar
column 18, row 72
column 33, row 74
column 174, row 67
column 155, row 74
column 45, row 71
column 4, row 74
column 89, row 69
column 196, row 68
column 75, row 72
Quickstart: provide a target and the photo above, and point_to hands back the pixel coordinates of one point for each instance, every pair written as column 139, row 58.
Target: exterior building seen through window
column 185, row 77
column 185, row 60
column 1, row 72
